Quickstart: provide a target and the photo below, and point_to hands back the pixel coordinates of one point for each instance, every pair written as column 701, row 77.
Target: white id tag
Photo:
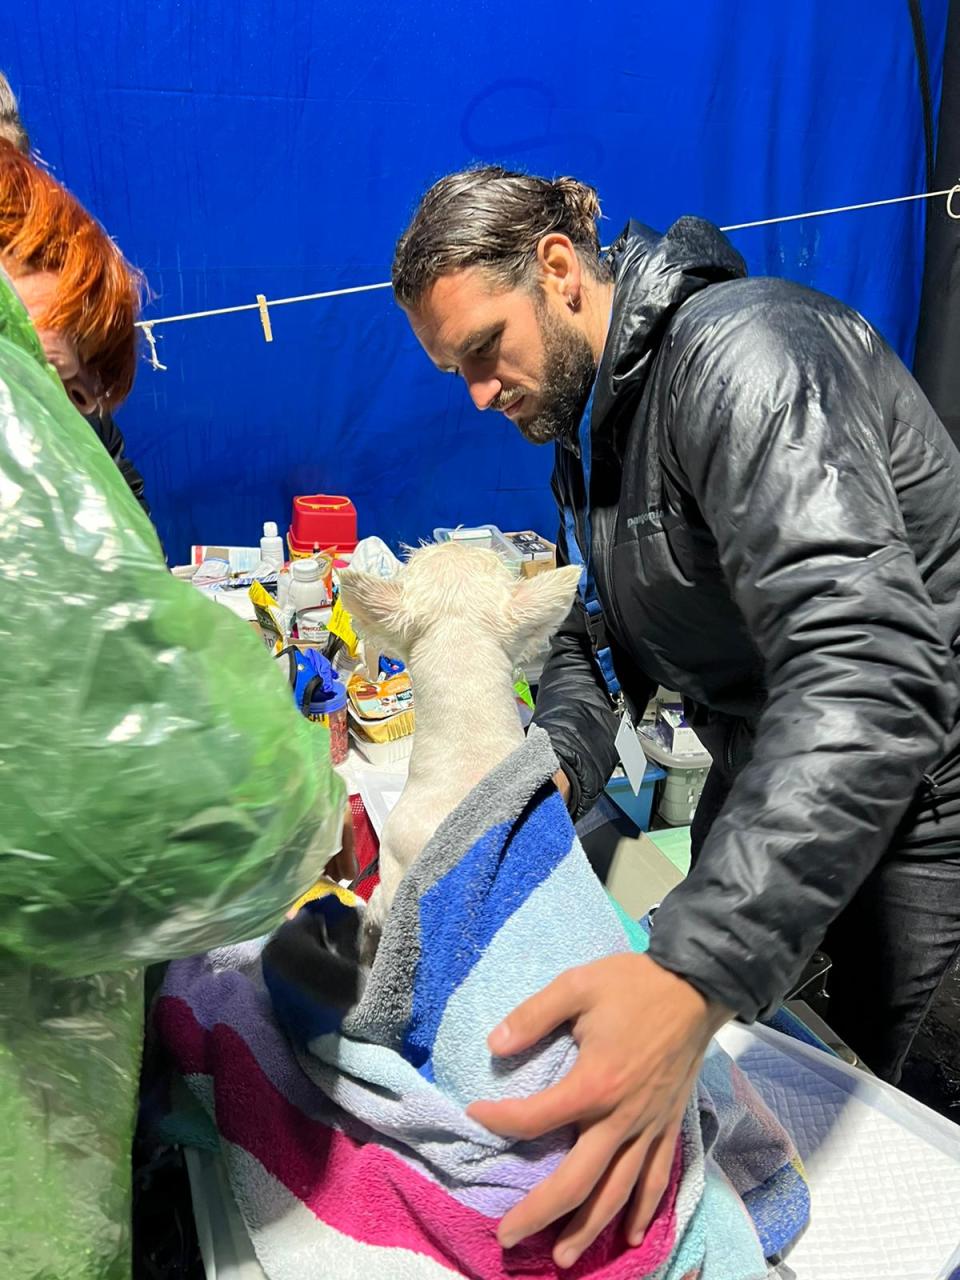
column 631, row 753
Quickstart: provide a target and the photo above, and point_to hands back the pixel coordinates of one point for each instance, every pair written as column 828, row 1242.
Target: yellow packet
column 268, row 615
column 341, row 626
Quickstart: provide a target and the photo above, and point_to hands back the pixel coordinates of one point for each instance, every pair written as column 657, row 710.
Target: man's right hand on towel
column 642, row 1033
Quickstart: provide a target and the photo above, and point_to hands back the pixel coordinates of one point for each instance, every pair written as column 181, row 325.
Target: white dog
column 461, row 622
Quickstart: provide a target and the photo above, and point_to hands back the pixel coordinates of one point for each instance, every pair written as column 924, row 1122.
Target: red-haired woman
column 81, row 293
column 37, row 288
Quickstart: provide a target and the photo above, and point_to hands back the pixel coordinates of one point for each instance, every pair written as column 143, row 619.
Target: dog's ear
column 539, row 605
column 375, row 604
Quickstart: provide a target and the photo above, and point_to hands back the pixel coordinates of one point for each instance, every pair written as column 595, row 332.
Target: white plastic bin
column 680, row 790
column 383, row 753
column 680, row 794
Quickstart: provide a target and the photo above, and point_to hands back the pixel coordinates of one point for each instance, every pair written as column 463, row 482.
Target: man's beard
column 569, row 369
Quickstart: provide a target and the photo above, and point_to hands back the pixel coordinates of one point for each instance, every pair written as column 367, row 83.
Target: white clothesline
column 264, row 304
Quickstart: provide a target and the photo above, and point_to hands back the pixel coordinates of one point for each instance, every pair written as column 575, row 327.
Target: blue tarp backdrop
column 279, row 148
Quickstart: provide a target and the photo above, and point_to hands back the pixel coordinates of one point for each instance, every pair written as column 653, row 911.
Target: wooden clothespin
column 265, row 317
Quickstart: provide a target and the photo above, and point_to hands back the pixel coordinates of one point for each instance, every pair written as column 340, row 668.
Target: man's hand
column 642, row 1033
column 562, row 783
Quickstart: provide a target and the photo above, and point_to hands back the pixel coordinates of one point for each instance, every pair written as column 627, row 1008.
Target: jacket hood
column 654, row 274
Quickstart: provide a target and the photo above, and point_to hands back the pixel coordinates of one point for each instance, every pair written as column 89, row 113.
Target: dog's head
column 451, row 591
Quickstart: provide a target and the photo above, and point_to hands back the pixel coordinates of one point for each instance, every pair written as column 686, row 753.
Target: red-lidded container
column 324, row 520
column 303, row 550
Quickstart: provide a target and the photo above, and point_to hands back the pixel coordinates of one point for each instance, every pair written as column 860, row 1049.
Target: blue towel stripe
column 780, row 1208
column 464, row 910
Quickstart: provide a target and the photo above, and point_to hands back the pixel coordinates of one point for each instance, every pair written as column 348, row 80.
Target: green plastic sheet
column 159, row 795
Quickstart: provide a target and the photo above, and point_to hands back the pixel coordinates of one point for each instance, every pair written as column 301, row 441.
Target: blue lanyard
column 588, row 587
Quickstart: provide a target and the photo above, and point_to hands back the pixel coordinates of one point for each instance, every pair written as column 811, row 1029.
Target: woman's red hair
column 44, row 228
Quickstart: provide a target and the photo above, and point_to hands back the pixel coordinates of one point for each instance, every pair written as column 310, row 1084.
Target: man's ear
column 539, row 605
column 375, row 604
column 559, row 265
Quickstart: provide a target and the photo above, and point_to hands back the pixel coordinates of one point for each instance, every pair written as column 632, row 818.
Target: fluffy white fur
column 461, row 623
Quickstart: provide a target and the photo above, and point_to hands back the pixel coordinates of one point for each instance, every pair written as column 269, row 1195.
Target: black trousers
column 899, row 935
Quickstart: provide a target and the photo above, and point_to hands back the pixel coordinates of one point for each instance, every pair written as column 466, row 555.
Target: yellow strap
column 323, row 889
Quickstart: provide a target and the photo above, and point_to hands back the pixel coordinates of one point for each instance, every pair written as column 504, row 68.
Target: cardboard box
column 240, row 559
column 678, row 738
column 537, row 553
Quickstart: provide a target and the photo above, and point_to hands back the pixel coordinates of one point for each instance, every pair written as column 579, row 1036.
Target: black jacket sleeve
column 112, row 440
column 574, row 709
column 780, row 436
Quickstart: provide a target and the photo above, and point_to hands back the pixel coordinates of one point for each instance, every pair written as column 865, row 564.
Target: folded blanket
column 339, row 1098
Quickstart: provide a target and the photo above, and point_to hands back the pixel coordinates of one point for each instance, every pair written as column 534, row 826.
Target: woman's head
column 82, row 295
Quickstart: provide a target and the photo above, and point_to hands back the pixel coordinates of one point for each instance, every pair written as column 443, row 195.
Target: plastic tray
column 390, row 729
column 381, row 753
column 487, row 536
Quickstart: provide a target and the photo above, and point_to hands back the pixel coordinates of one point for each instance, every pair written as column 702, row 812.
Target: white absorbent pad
column 884, row 1171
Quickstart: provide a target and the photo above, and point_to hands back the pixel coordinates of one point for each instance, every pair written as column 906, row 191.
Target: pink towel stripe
column 369, row 1194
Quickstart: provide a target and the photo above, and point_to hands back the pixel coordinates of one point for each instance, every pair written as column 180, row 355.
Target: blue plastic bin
column 637, row 808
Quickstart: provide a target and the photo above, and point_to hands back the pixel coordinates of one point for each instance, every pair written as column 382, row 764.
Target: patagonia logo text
column 646, row 517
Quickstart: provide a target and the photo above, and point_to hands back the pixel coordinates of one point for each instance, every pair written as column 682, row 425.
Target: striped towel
column 339, row 1097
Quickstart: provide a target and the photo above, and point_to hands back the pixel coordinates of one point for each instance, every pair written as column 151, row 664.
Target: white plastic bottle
column 271, row 545
column 308, row 601
column 283, row 587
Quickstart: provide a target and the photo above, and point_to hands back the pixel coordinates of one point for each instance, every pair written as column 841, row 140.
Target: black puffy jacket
column 776, row 534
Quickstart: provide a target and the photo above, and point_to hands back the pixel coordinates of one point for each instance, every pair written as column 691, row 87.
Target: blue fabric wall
column 236, row 148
